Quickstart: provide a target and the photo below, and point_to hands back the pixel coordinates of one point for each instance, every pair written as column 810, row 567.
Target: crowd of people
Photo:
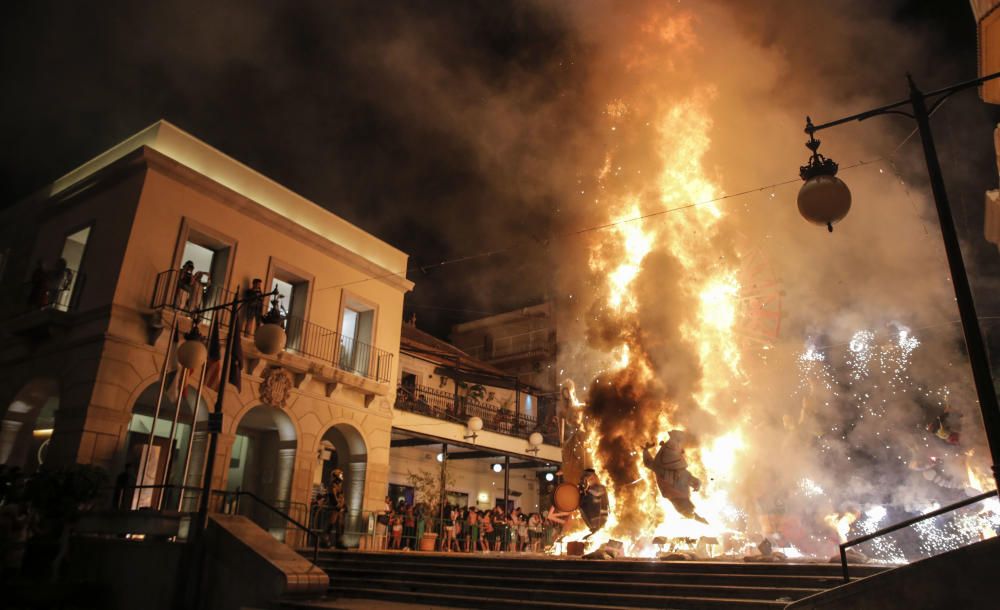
column 464, row 529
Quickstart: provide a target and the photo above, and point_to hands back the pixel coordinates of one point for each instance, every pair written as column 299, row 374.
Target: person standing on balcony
column 59, row 282
column 254, row 297
column 185, row 286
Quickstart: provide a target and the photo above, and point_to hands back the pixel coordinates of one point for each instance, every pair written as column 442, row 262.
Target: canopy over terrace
column 487, row 476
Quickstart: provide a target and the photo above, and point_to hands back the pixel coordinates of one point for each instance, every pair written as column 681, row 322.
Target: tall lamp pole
column 824, row 199
column 269, row 338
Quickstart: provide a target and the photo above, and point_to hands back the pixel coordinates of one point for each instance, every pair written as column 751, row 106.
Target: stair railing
column 231, row 505
column 907, row 523
column 225, row 502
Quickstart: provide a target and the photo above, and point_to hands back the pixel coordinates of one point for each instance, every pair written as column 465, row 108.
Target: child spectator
column 397, row 531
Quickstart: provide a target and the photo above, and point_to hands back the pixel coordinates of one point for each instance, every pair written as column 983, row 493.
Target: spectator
column 419, row 513
column 409, row 528
column 382, row 525
column 397, row 531
column 522, row 533
column 472, row 539
column 535, row 532
column 489, row 534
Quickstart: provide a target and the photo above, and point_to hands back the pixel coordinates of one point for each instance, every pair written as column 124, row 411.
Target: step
column 533, row 581
column 519, row 595
column 423, row 600
column 629, row 565
column 734, row 575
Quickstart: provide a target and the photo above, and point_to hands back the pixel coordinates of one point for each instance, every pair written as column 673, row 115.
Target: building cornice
column 246, row 206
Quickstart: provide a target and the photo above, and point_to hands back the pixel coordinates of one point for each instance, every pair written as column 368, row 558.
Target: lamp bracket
column 818, row 165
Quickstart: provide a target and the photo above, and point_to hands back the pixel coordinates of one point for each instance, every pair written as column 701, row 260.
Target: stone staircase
column 530, row 582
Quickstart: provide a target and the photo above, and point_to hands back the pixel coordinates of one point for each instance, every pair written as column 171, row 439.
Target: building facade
column 100, row 273
column 520, row 343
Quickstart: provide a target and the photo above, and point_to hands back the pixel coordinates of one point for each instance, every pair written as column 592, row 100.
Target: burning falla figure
column 672, row 476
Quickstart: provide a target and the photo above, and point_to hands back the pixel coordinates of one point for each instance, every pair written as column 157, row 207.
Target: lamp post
column 824, row 199
column 269, row 338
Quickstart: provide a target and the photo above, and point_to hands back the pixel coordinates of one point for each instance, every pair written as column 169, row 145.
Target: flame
column 980, row 481
column 682, row 135
column 841, row 523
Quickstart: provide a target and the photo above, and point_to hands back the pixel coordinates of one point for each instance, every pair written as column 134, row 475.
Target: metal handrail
column 288, row 518
column 442, row 405
column 310, row 533
column 908, row 522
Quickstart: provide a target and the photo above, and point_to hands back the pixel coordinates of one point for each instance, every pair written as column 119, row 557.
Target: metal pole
column 183, row 372
column 215, row 417
column 517, row 403
column 444, row 483
column 159, row 399
column 506, row 502
column 978, row 356
column 190, row 447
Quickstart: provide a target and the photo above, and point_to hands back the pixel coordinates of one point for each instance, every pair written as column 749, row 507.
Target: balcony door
column 356, row 331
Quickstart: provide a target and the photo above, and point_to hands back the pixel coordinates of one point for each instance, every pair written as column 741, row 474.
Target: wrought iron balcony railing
column 305, row 338
column 442, row 405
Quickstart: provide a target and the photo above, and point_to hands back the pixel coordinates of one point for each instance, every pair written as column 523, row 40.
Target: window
column 408, row 380
column 293, row 291
column 72, row 253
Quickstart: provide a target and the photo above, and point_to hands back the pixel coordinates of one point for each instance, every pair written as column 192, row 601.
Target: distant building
column 440, row 388
column 520, row 343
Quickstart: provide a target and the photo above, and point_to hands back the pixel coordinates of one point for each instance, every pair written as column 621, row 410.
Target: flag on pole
column 213, row 370
column 236, row 361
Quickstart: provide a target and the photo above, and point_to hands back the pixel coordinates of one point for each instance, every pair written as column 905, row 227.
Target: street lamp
column 269, row 338
column 192, row 353
column 535, row 440
column 474, row 425
column 824, row 199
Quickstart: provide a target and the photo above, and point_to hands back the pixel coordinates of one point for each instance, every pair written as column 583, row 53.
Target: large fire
column 668, row 318
column 711, row 285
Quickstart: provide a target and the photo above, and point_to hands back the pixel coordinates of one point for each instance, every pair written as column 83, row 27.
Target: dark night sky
column 368, row 108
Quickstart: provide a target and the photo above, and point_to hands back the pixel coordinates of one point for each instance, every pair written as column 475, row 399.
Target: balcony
column 439, row 404
column 50, row 296
column 321, row 345
column 532, row 344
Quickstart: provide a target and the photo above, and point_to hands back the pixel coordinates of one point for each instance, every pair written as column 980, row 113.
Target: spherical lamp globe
column 269, row 339
column 192, row 354
column 475, row 424
column 824, row 200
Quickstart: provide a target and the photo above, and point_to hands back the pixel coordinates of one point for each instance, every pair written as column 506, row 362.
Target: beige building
column 86, row 339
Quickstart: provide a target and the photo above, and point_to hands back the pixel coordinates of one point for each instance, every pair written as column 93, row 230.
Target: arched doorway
column 263, row 457
column 343, row 447
column 174, row 452
column 28, row 424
